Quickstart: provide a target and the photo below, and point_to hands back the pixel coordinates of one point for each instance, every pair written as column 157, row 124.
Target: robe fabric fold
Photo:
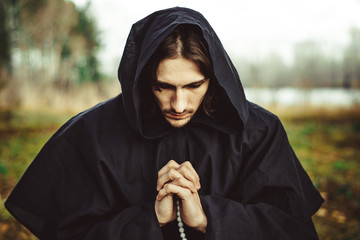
column 96, row 177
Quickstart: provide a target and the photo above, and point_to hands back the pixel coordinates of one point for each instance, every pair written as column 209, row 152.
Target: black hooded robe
column 96, row 177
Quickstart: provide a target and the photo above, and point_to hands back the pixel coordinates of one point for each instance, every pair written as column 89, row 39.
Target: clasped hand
column 183, row 181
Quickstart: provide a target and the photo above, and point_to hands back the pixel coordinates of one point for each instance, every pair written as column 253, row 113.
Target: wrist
column 201, row 227
column 163, row 222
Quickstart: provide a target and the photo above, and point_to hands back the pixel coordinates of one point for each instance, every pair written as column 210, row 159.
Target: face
column 182, row 88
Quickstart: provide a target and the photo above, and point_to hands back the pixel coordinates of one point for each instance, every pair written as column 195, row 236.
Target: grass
column 22, row 134
column 328, row 146
column 327, row 143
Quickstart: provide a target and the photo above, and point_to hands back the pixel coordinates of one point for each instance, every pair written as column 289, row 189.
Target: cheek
column 161, row 99
column 201, row 94
column 194, row 99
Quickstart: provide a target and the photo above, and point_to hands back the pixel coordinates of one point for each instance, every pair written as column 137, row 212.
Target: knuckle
column 187, row 164
column 172, row 173
column 183, row 169
column 172, row 164
column 182, row 181
column 166, row 187
column 162, row 171
column 187, row 192
column 197, row 176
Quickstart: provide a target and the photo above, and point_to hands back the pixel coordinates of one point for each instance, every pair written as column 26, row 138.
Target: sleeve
column 273, row 197
column 66, row 194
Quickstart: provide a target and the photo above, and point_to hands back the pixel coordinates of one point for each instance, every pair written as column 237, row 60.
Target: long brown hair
column 185, row 41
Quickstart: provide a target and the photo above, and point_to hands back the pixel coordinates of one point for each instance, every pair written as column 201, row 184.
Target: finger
column 169, row 188
column 169, row 176
column 188, row 171
column 183, row 182
column 170, row 165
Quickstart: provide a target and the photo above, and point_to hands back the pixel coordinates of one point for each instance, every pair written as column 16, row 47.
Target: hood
column 144, row 38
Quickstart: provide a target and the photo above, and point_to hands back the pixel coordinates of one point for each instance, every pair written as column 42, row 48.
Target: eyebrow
column 199, row 82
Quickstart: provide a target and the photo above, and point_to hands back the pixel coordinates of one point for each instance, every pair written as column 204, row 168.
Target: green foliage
column 86, row 26
column 356, row 127
column 343, row 165
column 4, row 214
column 4, row 38
column 22, row 138
column 88, row 70
column 33, row 6
column 329, row 150
column 2, row 169
column 56, row 42
column 65, row 51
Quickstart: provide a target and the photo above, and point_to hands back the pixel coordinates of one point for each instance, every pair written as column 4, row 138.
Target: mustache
column 172, row 112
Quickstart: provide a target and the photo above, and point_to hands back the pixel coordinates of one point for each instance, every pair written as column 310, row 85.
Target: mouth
column 176, row 116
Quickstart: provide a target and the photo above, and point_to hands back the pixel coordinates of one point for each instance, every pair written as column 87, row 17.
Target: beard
column 176, row 119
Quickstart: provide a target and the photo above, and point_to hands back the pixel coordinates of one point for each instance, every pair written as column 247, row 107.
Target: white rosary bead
column 180, row 223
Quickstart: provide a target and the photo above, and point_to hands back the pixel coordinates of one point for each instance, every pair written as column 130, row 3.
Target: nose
column 178, row 101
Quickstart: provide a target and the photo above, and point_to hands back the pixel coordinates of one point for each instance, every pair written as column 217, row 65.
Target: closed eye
column 165, row 86
column 196, row 84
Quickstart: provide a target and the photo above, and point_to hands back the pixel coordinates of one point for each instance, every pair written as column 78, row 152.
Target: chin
column 178, row 123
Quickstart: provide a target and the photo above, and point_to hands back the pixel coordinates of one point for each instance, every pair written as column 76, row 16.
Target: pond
column 337, row 97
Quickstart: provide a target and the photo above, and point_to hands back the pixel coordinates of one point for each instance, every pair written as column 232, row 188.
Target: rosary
column 180, row 222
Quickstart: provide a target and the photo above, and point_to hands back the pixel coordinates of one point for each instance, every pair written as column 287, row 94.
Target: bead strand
column 180, row 222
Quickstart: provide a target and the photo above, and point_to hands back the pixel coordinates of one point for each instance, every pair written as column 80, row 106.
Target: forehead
column 178, row 71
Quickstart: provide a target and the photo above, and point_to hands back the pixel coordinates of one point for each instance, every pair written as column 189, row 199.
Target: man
column 180, row 154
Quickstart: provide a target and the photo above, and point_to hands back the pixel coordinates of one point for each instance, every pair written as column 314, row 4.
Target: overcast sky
column 247, row 28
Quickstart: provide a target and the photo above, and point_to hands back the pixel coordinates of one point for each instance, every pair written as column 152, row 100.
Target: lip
column 176, row 117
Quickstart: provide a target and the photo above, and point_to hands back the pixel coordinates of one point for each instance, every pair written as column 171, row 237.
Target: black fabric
column 96, row 177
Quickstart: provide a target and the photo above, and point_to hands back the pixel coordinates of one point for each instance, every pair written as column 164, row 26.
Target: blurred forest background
column 314, row 66
column 49, row 70
column 48, row 55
